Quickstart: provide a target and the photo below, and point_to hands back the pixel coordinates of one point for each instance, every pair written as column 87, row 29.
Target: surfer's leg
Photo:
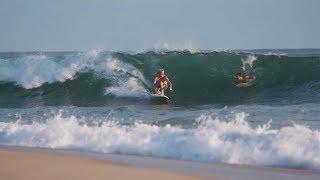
column 162, row 88
column 165, row 85
column 157, row 91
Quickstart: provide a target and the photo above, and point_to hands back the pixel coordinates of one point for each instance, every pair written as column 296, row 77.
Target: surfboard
column 160, row 99
column 246, row 84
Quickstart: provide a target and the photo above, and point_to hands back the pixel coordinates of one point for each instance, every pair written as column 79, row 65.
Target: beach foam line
column 211, row 140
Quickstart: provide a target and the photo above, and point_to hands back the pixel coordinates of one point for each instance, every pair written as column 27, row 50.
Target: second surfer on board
column 242, row 77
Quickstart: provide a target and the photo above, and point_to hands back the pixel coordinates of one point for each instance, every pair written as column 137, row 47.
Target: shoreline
column 17, row 162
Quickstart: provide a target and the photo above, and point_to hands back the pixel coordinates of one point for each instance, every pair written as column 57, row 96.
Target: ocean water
column 99, row 101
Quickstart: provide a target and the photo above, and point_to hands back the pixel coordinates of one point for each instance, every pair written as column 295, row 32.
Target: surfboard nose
column 159, row 99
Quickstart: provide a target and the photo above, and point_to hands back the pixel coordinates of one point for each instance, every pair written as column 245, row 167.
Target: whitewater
column 99, row 101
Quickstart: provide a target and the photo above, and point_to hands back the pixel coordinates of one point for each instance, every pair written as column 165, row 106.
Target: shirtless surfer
column 161, row 83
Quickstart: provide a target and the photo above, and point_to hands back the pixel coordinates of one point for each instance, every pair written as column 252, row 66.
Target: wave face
column 210, row 140
column 101, row 78
column 100, row 102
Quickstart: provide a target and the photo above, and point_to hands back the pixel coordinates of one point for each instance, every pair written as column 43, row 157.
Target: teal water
column 200, row 78
column 100, row 101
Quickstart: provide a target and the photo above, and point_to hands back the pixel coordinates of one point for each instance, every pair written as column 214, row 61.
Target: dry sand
column 51, row 164
column 25, row 165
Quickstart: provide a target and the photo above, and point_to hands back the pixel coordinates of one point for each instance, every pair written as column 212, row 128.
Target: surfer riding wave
column 161, row 83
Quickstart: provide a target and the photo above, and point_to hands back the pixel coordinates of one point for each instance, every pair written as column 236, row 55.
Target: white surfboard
column 160, row 99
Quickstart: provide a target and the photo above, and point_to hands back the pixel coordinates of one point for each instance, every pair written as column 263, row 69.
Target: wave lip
column 37, row 71
column 211, row 140
column 33, row 71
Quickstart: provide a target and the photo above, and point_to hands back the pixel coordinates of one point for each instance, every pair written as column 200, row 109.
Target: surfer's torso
column 161, row 79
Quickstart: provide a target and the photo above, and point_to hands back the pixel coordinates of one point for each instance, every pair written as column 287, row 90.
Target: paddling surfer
column 161, row 83
column 242, row 77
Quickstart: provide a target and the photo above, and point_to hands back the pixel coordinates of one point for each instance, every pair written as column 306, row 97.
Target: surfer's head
column 161, row 72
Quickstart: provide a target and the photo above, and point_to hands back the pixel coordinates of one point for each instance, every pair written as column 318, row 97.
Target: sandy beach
column 47, row 164
column 18, row 164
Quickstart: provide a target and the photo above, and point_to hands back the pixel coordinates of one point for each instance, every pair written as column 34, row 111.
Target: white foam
column 127, row 81
column 212, row 140
column 160, row 46
column 36, row 70
column 129, row 88
column 248, row 62
column 33, row 71
column 275, row 54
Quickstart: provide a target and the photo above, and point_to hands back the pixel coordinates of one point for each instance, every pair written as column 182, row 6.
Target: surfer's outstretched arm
column 169, row 82
column 155, row 80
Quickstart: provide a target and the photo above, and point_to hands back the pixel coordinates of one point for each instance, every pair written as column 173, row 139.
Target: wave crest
column 35, row 70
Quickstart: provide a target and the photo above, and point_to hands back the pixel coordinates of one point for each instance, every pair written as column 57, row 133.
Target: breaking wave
column 198, row 77
column 209, row 140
